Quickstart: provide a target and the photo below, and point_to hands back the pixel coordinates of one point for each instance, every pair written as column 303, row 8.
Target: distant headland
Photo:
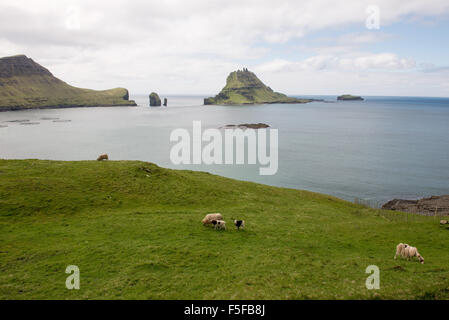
column 243, row 87
column 26, row 84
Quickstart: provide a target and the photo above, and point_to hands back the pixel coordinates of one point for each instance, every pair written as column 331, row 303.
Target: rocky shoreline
column 434, row 205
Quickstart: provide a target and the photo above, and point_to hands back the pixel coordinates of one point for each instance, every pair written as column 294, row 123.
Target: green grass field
column 134, row 230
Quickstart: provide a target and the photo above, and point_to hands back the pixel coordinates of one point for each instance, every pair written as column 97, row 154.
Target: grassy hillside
column 25, row 84
column 135, row 232
column 243, row 87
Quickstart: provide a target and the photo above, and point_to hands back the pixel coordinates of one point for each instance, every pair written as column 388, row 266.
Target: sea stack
column 165, row 102
column 243, row 87
column 25, row 84
column 155, row 101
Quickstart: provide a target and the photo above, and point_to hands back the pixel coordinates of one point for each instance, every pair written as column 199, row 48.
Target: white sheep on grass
column 406, row 251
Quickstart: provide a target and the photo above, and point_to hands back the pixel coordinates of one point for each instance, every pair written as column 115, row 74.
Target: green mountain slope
column 24, row 84
column 243, row 87
column 134, row 230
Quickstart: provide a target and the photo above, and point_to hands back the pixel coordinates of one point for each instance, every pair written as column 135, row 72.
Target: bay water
column 374, row 150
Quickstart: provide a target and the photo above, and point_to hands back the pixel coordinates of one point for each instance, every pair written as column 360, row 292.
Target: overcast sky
column 189, row 47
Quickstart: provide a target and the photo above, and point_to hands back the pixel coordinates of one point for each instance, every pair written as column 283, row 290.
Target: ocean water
column 374, row 150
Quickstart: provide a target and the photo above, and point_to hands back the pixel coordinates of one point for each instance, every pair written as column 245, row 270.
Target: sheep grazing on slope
column 408, row 252
column 211, row 217
column 103, row 157
column 239, row 224
column 400, row 250
column 220, row 224
column 411, row 252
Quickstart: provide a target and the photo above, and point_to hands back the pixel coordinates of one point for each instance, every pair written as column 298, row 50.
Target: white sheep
column 400, row 250
column 411, row 252
column 220, row 224
column 408, row 252
column 211, row 217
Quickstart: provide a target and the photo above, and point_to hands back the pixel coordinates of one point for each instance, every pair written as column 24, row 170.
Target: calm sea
column 374, row 150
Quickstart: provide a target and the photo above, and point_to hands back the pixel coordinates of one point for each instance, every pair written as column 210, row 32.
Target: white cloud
column 333, row 82
column 346, row 62
column 178, row 46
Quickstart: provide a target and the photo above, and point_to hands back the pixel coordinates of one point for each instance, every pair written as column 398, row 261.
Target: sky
column 308, row 47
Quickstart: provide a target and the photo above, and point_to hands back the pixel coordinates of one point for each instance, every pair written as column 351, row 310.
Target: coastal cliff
column 25, row 84
column 243, row 87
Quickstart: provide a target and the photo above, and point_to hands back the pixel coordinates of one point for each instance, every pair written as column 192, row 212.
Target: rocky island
column 348, row 97
column 25, row 84
column 243, row 87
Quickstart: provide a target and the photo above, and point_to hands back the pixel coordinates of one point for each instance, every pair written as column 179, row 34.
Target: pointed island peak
column 244, row 87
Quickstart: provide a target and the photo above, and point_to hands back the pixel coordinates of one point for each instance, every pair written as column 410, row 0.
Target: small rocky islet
column 349, row 97
column 246, row 126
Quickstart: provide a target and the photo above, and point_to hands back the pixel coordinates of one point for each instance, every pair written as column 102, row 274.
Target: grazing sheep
column 220, row 224
column 444, row 222
column 406, row 251
column 210, row 217
column 239, row 224
column 400, row 249
column 411, row 252
column 103, row 157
